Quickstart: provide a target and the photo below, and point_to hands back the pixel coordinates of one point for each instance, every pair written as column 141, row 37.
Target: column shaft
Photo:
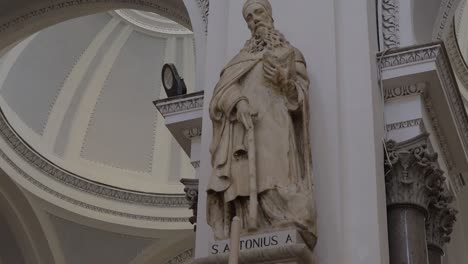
column 435, row 255
column 407, row 235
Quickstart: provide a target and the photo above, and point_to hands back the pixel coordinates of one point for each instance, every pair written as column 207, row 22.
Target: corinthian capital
column 411, row 173
column 440, row 221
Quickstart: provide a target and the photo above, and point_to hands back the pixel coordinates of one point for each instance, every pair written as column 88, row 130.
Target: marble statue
column 260, row 149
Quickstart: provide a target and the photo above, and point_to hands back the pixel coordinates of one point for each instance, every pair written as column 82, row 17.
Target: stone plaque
column 260, row 241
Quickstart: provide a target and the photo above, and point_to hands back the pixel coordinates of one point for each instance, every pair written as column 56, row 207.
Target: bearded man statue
column 262, row 92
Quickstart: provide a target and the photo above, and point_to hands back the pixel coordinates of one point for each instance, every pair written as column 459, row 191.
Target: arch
column 21, row 18
column 25, row 225
column 444, row 18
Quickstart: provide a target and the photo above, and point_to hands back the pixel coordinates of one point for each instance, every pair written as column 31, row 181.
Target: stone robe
column 281, row 140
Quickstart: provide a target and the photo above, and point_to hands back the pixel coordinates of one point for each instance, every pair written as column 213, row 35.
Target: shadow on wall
column 424, row 16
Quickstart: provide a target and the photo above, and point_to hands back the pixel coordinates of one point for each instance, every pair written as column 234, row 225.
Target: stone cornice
column 412, row 177
column 440, row 221
column 410, row 55
column 72, row 180
column 180, row 104
column 405, row 124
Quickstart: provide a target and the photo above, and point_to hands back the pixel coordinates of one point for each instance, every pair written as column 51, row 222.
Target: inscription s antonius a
column 262, row 241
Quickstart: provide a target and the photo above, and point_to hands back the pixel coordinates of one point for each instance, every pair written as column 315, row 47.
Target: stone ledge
column 298, row 253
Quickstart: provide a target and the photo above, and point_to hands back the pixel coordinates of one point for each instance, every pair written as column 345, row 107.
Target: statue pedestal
column 287, row 246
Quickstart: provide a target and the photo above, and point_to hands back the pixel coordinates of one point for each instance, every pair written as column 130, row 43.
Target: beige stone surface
column 260, row 147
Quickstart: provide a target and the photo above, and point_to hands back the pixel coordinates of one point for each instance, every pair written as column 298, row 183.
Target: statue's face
column 257, row 18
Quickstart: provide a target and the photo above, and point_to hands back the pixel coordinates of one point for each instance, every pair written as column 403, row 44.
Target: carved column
column 412, row 182
column 439, row 226
column 191, row 193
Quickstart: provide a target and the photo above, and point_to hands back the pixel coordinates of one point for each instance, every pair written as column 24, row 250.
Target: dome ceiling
column 80, row 93
column 152, row 23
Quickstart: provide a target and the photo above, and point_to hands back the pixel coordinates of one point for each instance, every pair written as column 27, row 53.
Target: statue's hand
column 276, row 74
column 244, row 114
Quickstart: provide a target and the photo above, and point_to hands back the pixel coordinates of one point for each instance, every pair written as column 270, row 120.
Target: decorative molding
column 405, row 124
column 52, row 171
column 459, row 16
column 192, row 132
column 204, row 6
column 440, row 221
column 86, row 205
column 151, row 22
column 435, row 53
column 390, row 23
column 441, row 138
column 412, row 177
column 196, row 164
column 191, row 193
column 180, row 104
column 455, row 101
column 182, row 258
column 406, row 90
column 180, row 16
column 410, row 55
column 456, row 57
column 446, row 13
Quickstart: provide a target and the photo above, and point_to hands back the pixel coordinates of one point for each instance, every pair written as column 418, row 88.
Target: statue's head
column 258, row 14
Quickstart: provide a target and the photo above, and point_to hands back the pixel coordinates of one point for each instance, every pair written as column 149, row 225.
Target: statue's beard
column 265, row 38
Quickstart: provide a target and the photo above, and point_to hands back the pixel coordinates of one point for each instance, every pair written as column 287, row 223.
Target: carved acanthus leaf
column 191, row 194
column 440, row 221
column 412, row 177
